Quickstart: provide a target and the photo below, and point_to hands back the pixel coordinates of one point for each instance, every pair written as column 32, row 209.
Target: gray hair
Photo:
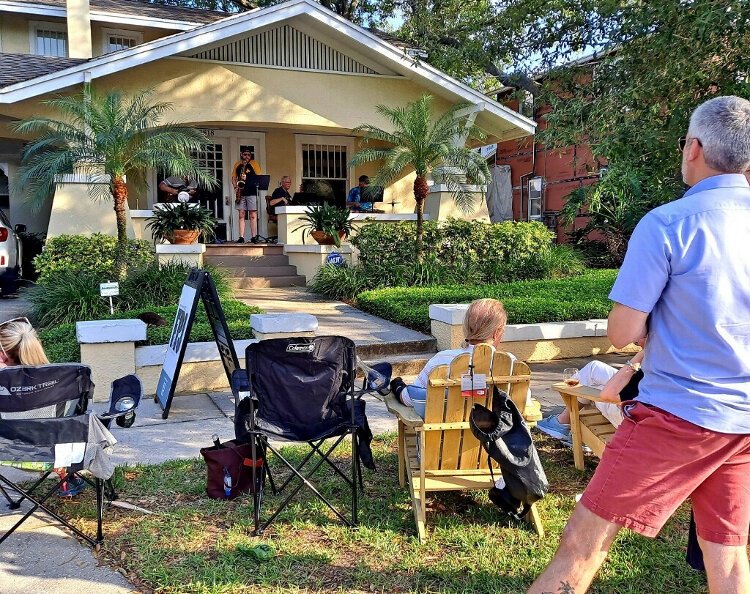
column 722, row 125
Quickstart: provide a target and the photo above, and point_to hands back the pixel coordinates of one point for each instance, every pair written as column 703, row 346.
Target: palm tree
column 107, row 138
column 421, row 144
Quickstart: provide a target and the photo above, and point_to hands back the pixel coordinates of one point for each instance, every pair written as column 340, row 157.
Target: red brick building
column 540, row 177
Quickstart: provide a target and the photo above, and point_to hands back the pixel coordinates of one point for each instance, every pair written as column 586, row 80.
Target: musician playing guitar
column 173, row 185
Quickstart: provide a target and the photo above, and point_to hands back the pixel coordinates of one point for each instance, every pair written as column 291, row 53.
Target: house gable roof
column 17, row 68
column 132, row 12
column 236, row 26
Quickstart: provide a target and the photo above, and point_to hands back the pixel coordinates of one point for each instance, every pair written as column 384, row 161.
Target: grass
column 198, row 545
column 527, row 302
column 61, row 345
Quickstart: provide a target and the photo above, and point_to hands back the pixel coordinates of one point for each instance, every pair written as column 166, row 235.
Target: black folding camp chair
column 44, row 424
column 302, row 390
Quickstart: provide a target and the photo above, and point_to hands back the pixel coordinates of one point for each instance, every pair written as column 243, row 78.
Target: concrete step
column 243, row 249
column 259, row 271
column 404, row 365
column 252, row 282
column 377, row 351
column 247, row 260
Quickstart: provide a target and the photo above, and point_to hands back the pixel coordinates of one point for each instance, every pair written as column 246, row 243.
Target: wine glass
column 570, row 376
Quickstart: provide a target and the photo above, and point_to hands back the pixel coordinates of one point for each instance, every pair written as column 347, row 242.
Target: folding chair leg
column 16, row 503
column 37, row 504
column 99, row 508
column 356, row 470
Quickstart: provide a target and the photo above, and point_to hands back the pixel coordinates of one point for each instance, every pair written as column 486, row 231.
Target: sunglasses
column 22, row 319
column 682, row 142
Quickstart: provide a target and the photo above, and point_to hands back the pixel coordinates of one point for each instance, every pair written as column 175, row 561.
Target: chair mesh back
column 301, row 385
column 44, row 391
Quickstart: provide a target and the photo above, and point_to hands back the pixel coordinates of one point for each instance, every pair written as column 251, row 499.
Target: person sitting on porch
column 280, row 197
column 246, row 193
column 354, row 199
column 173, row 185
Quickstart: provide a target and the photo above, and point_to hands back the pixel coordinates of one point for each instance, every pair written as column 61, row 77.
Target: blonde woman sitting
column 484, row 323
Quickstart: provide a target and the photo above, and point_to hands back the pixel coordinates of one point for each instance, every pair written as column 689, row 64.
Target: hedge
column 527, row 302
column 61, row 345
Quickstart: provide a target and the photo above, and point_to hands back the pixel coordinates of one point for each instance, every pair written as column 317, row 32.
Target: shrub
column 579, row 298
column 339, row 282
column 65, row 296
column 454, row 252
column 93, row 254
column 61, row 345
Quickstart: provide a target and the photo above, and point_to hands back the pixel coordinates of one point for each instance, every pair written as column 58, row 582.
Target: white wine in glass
column 570, row 376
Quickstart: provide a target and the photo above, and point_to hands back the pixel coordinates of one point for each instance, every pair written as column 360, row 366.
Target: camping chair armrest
column 579, row 391
column 406, row 414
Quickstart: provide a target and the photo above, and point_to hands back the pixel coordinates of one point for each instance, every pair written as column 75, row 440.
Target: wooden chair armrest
column 406, row 414
column 579, row 391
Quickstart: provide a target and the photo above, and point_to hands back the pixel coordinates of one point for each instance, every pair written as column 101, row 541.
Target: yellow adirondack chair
column 587, row 425
column 451, row 457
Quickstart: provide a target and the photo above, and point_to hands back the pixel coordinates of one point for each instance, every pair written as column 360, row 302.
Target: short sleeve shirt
column 688, row 266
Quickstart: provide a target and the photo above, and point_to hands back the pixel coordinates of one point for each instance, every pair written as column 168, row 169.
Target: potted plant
column 181, row 223
column 326, row 224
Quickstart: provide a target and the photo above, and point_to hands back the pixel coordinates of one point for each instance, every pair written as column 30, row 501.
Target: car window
column 4, row 219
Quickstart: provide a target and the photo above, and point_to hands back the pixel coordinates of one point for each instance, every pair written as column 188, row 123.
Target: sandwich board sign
column 199, row 286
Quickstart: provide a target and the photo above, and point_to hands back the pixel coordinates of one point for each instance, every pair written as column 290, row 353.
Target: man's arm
column 626, row 325
column 165, row 187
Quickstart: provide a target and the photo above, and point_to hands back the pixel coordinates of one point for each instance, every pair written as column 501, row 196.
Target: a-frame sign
column 198, row 286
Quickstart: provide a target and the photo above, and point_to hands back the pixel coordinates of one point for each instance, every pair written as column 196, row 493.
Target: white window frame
column 529, row 216
column 323, row 139
column 36, row 26
column 136, row 36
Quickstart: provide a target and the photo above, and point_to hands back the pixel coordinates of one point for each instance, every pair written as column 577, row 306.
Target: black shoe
column 255, row 239
column 397, row 387
column 240, row 240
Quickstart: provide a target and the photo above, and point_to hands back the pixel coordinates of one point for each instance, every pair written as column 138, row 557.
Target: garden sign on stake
column 199, row 285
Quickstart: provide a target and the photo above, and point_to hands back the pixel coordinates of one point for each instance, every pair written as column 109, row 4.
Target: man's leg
column 727, row 568
column 253, row 223
column 583, row 548
column 242, row 223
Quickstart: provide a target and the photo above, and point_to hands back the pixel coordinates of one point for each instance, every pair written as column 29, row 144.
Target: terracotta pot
column 324, row 239
column 185, row 236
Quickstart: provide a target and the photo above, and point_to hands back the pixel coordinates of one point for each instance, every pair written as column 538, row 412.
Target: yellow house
column 290, row 81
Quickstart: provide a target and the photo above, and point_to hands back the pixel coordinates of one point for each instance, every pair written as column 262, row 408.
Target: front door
column 213, row 159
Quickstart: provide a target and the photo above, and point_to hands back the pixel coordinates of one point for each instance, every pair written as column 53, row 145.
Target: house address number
column 210, row 132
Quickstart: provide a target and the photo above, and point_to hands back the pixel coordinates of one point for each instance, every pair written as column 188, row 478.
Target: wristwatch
column 636, row 367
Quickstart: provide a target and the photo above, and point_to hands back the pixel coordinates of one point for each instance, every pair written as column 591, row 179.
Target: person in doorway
column 687, row 434
column 246, row 193
column 356, row 199
column 173, row 185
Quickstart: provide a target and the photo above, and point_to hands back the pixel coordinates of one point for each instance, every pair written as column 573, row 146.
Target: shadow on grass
column 195, row 544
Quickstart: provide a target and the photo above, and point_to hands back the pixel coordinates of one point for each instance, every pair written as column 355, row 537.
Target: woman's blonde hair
column 483, row 318
column 20, row 343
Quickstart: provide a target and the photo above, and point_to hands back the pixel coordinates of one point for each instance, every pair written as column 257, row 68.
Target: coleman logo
column 300, row 348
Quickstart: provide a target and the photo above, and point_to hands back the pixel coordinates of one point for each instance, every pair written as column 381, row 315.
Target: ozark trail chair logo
column 300, row 348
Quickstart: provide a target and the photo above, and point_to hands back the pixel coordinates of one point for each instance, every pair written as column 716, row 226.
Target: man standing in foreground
column 686, row 282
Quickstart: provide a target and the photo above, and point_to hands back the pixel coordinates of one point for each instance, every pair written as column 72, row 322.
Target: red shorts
column 656, row 460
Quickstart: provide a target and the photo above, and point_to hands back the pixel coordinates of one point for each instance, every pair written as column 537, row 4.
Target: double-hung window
column 119, row 39
column 49, row 39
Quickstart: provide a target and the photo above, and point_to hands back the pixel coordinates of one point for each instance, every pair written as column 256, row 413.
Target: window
column 49, row 39
column 324, row 163
column 119, row 39
column 535, row 198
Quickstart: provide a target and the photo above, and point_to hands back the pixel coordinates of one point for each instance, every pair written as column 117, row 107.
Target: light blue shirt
column 688, row 265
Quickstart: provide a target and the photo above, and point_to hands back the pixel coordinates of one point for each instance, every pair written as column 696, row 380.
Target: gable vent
column 285, row 47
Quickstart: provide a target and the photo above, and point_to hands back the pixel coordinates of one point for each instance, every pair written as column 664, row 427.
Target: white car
column 10, row 255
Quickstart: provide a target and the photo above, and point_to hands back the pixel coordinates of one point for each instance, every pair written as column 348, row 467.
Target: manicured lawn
column 527, row 302
column 197, row 545
column 61, row 345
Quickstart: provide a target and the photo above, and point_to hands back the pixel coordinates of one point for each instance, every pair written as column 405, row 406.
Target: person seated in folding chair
column 20, row 345
column 484, row 323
